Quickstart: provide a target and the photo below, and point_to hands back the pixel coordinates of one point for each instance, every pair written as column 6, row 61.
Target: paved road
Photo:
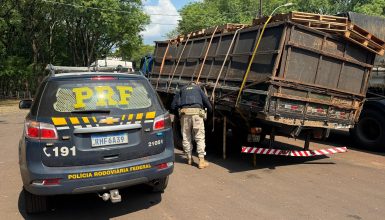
column 345, row 186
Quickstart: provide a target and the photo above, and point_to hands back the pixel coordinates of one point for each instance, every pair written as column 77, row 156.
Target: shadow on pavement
column 238, row 162
column 338, row 138
column 90, row 206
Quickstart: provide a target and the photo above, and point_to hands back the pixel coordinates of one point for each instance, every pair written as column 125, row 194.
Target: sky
column 160, row 24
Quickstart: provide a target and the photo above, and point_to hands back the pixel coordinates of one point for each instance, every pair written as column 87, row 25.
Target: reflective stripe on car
column 63, row 123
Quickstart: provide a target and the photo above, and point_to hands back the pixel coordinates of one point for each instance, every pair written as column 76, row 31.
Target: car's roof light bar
column 74, row 69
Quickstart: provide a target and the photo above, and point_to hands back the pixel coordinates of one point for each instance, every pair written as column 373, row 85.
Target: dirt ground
column 343, row 186
column 8, row 106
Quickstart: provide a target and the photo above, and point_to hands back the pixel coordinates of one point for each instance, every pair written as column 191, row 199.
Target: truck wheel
column 370, row 130
column 160, row 186
column 35, row 203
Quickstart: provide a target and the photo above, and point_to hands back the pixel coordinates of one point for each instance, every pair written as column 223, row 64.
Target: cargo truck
column 300, row 80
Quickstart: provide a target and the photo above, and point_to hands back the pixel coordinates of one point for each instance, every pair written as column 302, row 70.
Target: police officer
column 190, row 102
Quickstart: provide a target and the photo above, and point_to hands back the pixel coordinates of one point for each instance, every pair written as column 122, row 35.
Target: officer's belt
column 191, row 111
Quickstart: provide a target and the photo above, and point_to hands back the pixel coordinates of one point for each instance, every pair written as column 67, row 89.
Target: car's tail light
column 47, row 182
column 40, row 130
column 32, row 129
column 159, row 124
column 162, row 122
column 164, row 165
column 51, row 182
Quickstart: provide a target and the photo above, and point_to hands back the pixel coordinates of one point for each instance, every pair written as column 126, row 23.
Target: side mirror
column 25, row 104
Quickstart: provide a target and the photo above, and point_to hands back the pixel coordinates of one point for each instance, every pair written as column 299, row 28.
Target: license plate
column 109, row 139
column 253, row 138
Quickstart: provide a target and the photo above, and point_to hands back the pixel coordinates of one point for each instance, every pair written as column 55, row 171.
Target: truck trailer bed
column 300, row 76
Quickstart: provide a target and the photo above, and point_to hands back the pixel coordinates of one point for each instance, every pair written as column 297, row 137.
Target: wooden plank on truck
column 304, row 16
column 326, row 23
column 360, row 36
column 229, row 27
column 275, row 18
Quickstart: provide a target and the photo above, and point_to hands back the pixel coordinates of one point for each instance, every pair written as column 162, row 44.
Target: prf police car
column 93, row 132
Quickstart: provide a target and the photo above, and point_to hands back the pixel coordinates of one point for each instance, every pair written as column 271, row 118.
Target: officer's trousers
column 193, row 126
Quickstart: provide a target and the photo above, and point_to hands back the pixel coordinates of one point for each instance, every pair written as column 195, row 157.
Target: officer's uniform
column 190, row 101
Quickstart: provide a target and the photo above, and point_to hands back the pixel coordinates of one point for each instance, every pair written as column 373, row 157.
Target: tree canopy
column 207, row 13
column 34, row 33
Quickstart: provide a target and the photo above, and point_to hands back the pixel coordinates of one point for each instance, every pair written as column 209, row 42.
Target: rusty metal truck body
column 300, row 79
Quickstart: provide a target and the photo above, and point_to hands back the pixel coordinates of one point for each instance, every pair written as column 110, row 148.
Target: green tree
column 374, row 7
column 93, row 33
column 208, row 13
column 34, row 33
column 142, row 51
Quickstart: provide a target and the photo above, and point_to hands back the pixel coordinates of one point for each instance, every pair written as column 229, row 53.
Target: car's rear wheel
column 160, row 185
column 35, row 203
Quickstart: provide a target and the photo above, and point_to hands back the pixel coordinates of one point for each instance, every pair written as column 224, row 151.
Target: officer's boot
column 202, row 163
column 189, row 159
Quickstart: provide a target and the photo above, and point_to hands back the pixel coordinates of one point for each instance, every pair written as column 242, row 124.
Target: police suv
column 93, row 132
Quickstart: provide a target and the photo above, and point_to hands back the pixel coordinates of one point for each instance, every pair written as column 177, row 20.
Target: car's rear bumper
column 96, row 178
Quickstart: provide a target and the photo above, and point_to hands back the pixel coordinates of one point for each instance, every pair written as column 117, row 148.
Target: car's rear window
column 114, row 95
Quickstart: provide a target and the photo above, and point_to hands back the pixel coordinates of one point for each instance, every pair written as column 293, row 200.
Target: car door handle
column 107, row 128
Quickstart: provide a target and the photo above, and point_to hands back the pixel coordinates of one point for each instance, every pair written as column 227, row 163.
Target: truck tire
column 35, row 203
column 369, row 132
column 160, row 186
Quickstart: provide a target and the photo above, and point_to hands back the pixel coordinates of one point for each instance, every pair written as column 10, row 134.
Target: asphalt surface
column 343, row 186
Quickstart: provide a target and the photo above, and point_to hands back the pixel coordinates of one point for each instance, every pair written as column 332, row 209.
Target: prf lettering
column 104, row 95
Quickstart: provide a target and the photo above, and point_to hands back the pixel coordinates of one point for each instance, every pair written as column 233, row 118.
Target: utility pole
column 260, row 9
